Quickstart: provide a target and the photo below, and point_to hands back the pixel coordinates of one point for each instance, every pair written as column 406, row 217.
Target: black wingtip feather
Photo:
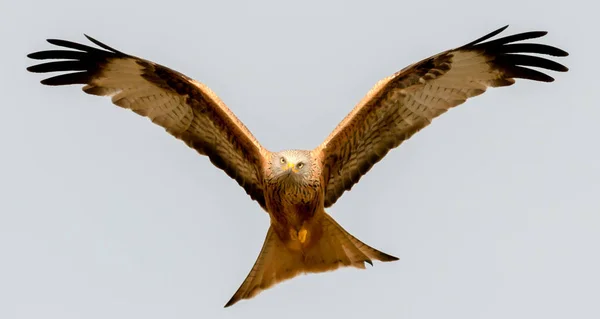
column 70, row 45
column 515, row 38
column 532, row 48
column 55, row 54
column 69, row 78
column 69, row 65
column 487, row 36
column 528, row 74
column 102, row 45
column 529, row 60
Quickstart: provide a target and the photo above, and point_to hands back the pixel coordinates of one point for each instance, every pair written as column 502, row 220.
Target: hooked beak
column 291, row 167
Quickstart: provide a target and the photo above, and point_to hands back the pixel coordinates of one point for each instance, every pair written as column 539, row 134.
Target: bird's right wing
column 187, row 109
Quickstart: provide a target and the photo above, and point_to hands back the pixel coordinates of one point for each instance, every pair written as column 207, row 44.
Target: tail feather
column 334, row 249
column 273, row 265
column 348, row 242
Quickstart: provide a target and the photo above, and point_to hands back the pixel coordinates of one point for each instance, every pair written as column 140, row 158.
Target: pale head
column 292, row 165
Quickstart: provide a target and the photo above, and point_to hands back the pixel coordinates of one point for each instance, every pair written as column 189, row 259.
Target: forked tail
column 336, row 248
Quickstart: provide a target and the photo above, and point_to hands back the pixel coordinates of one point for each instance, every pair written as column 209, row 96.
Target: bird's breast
column 290, row 206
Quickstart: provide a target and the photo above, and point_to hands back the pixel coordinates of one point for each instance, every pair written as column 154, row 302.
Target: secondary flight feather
column 295, row 186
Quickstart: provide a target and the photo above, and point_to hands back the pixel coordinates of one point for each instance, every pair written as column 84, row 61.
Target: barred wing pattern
column 187, row 109
column 399, row 106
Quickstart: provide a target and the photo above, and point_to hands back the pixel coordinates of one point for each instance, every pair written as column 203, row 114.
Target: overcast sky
column 493, row 209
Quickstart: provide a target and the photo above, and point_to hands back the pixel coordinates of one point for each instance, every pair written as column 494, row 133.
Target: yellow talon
column 302, row 235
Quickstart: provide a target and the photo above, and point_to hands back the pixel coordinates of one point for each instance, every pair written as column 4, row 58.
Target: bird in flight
column 295, row 186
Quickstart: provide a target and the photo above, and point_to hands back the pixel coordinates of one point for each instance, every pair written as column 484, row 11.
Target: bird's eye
column 300, row 165
column 282, row 160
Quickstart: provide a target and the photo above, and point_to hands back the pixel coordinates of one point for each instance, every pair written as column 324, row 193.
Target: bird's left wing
column 399, row 106
column 187, row 109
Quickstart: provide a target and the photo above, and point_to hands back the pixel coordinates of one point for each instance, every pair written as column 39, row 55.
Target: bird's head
column 292, row 165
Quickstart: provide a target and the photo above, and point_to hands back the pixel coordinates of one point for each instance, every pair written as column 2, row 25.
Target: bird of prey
column 295, row 186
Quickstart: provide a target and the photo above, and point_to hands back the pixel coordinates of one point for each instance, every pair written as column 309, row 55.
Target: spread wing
column 399, row 106
column 187, row 109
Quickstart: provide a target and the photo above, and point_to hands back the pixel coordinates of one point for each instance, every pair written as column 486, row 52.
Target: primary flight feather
column 295, row 186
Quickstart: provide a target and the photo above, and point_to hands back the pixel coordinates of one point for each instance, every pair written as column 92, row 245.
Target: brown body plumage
column 296, row 186
column 292, row 197
column 302, row 236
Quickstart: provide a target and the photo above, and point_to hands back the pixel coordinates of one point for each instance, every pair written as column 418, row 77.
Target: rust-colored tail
column 336, row 248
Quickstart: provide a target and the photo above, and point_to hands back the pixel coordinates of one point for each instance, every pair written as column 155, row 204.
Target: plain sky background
column 493, row 209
